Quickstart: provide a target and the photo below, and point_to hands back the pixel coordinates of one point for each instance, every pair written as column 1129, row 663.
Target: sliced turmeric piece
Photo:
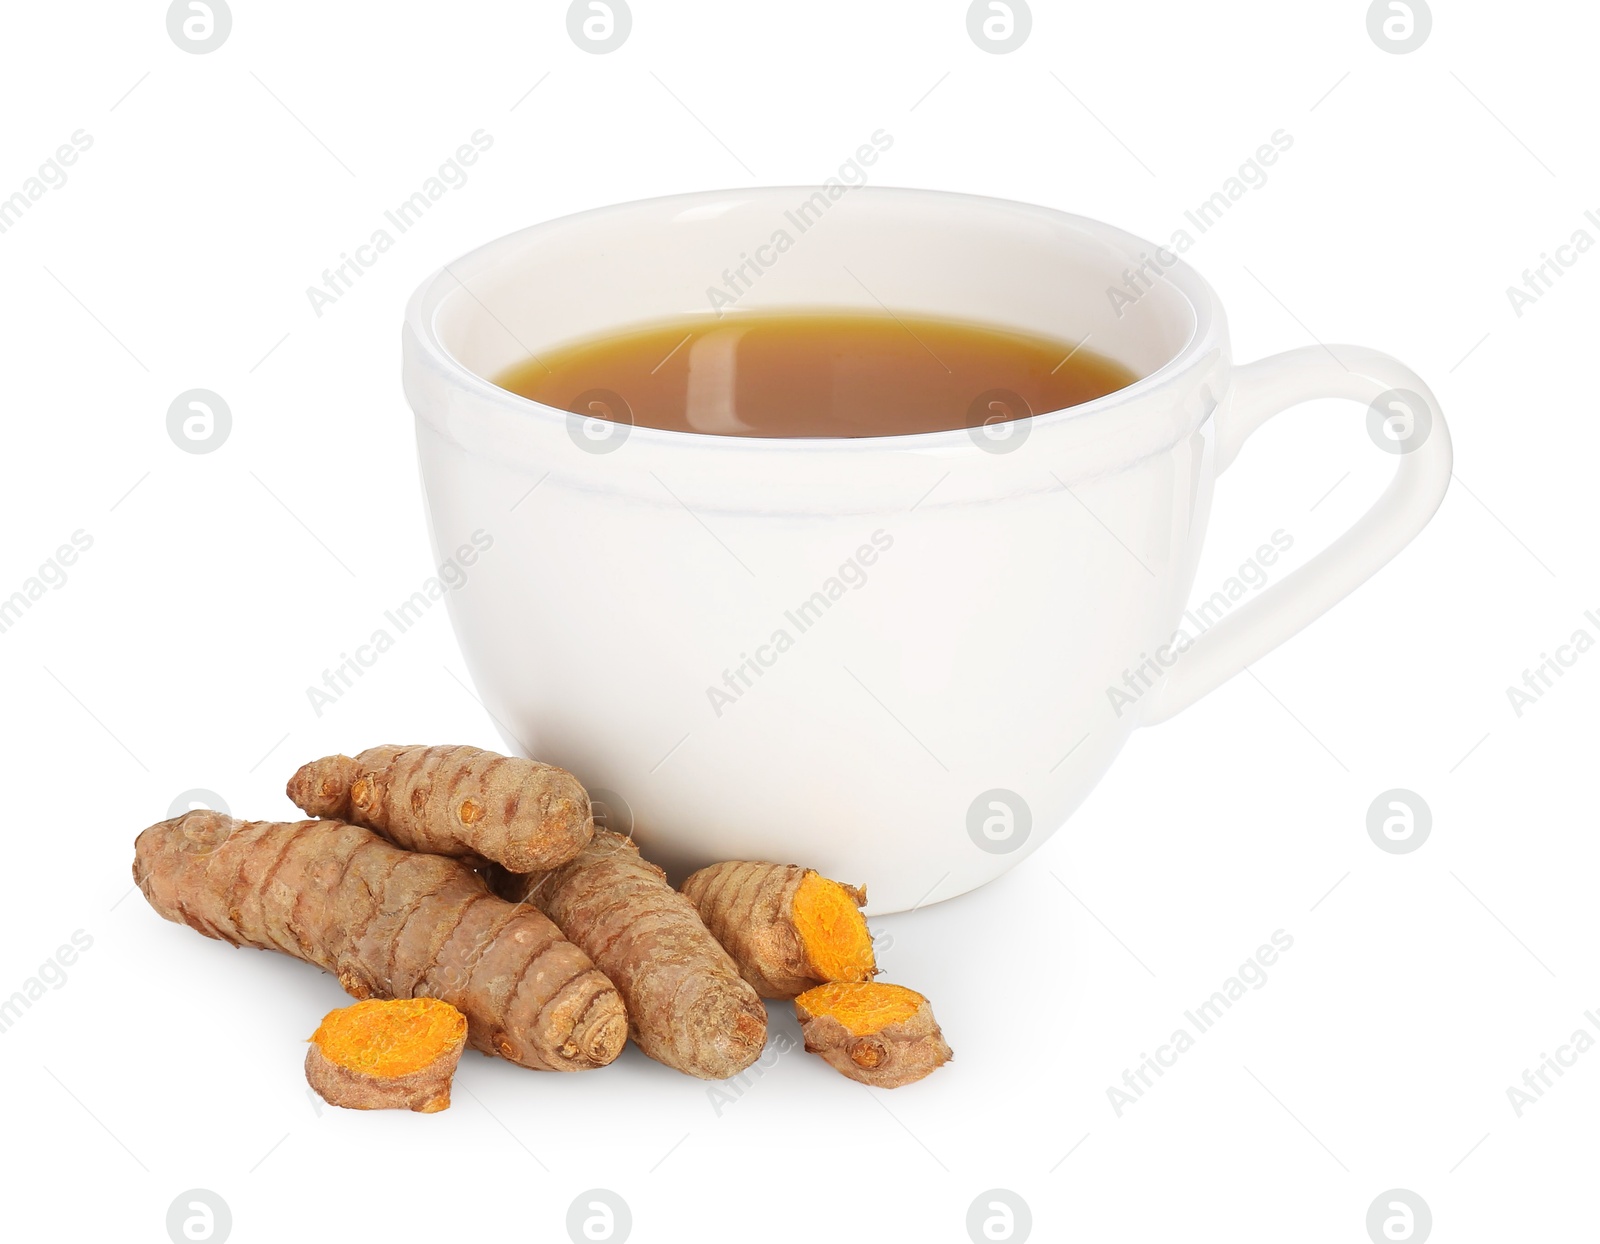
column 882, row 1035
column 459, row 801
column 387, row 1055
column 788, row 928
column 688, row 1007
column 389, row 924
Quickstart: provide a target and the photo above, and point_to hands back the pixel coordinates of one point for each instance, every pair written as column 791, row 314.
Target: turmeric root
column 882, row 1035
column 394, row 1055
column 787, row 927
column 687, row 1005
column 389, row 924
column 460, row 801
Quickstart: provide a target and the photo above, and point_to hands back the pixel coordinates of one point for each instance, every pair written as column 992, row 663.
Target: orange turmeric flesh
column 391, row 1038
column 881, row 1035
column 832, row 930
column 788, row 928
column 863, row 1010
column 387, row 1055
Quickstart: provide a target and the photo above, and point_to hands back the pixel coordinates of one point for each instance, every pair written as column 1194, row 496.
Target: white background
column 219, row 586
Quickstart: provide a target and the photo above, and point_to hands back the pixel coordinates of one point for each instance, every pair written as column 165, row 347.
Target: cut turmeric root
column 688, row 1007
column 389, row 924
column 882, row 1035
column 460, row 801
column 788, row 928
column 387, row 1055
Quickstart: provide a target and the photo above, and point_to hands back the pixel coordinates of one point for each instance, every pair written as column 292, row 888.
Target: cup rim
column 1207, row 331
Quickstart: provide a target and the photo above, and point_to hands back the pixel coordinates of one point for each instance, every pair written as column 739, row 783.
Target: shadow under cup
column 887, row 658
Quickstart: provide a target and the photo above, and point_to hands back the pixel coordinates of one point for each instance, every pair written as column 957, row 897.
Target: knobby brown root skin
column 460, row 801
column 788, row 928
column 882, row 1035
column 397, row 1054
column 687, row 1004
column 389, row 924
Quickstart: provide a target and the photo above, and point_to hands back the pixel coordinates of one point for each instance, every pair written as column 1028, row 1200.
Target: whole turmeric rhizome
column 467, row 898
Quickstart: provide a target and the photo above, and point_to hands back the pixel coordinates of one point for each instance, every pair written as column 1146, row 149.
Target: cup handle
column 1422, row 444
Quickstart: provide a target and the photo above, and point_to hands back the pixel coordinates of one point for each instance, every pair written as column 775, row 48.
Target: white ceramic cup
column 900, row 660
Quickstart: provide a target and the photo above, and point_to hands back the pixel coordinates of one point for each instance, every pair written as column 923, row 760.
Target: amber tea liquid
column 815, row 374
